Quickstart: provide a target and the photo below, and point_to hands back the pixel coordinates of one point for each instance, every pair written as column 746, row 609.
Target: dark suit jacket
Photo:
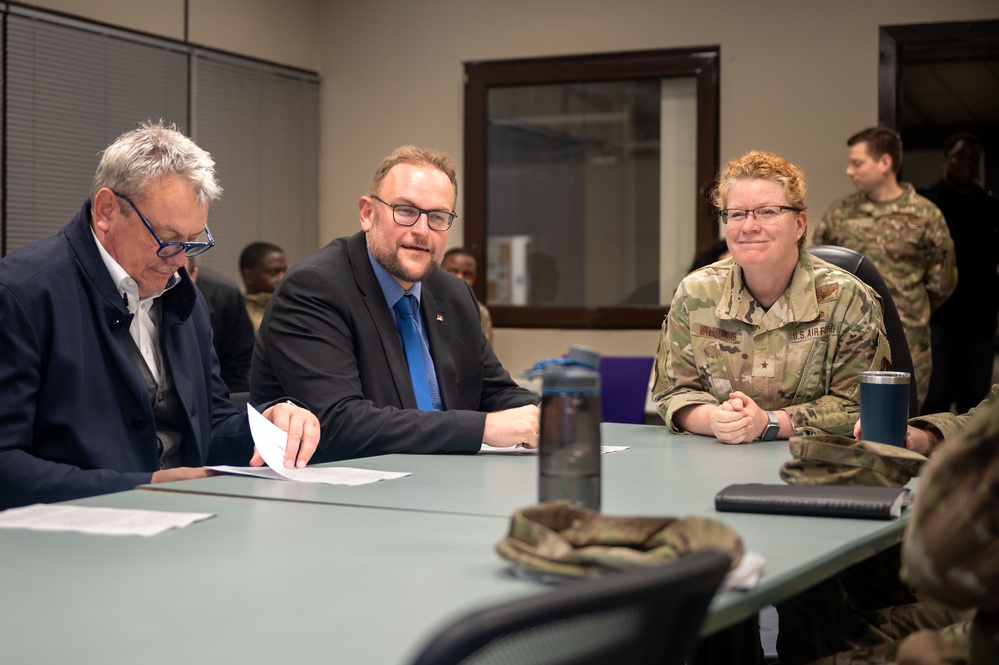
column 75, row 418
column 328, row 339
column 231, row 326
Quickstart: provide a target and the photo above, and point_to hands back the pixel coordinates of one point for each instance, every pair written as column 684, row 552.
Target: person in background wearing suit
column 109, row 375
column 350, row 327
column 231, row 327
column 262, row 265
column 461, row 262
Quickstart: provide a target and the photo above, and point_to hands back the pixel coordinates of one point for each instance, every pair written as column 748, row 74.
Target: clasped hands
column 738, row 419
column 302, row 428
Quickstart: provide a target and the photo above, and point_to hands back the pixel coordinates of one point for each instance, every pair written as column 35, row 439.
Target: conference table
column 368, row 574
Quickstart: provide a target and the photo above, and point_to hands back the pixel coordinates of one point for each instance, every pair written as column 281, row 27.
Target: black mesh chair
column 857, row 263
column 651, row 615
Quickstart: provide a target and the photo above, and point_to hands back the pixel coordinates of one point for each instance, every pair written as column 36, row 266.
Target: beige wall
column 287, row 32
column 796, row 78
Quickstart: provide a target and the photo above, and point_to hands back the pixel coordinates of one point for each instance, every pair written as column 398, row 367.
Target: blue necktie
column 414, row 353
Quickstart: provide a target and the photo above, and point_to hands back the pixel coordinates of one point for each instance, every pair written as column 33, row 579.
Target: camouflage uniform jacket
column 951, row 547
column 908, row 241
column 949, row 425
column 256, row 305
column 486, row 319
column 802, row 355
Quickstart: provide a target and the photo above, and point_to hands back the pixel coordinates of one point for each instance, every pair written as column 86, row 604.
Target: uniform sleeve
column 946, row 424
column 951, row 547
column 940, row 261
column 677, row 382
column 820, row 236
column 862, row 345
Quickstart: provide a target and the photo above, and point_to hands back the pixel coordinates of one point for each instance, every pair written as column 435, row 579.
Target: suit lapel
column 438, row 327
column 382, row 323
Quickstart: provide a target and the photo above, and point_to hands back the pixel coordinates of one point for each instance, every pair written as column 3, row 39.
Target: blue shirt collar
column 391, row 289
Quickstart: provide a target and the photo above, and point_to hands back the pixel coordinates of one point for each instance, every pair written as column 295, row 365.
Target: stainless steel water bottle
column 569, row 464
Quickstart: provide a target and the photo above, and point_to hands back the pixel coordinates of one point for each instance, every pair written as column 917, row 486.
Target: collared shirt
column 144, row 325
column 393, row 292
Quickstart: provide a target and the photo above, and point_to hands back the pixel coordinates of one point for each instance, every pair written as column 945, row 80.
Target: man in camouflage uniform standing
column 902, row 233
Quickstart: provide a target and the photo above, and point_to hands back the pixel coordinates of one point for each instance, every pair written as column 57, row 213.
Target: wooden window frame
column 699, row 62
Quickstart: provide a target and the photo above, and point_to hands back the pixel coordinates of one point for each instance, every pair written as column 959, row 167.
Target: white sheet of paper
column 520, row 450
column 334, row 475
column 270, row 441
column 99, row 521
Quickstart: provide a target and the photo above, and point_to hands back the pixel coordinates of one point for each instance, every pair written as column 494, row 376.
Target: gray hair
column 155, row 150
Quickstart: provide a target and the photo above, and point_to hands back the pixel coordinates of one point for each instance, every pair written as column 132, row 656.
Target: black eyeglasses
column 407, row 215
column 168, row 249
column 763, row 214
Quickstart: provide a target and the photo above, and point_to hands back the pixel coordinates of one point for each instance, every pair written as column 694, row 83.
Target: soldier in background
column 232, row 331
column 461, row 262
column 262, row 265
column 964, row 328
column 901, row 232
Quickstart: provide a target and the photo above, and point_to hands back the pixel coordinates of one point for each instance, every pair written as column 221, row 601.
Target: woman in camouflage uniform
column 766, row 343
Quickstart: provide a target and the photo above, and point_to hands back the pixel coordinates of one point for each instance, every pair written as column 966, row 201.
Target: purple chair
column 624, row 385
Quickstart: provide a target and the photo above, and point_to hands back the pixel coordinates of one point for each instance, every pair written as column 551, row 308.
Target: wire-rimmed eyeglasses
column 168, row 249
column 407, row 215
column 763, row 214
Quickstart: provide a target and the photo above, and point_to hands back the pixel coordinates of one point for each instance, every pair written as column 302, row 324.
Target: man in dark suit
column 336, row 333
column 108, row 373
column 233, row 331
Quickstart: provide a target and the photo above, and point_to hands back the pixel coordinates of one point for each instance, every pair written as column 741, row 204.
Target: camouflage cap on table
column 558, row 538
column 827, row 459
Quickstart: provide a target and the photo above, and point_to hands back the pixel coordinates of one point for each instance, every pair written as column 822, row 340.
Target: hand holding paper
column 300, row 430
column 271, row 444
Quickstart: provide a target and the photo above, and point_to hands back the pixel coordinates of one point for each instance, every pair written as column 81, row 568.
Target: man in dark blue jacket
column 106, row 361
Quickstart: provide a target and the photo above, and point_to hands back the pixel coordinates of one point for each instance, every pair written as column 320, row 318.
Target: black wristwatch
column 773, row 427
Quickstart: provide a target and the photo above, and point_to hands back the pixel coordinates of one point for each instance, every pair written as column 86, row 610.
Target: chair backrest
column 866, row 271
column 650, row 615
column 624, row 386
column 239, row 400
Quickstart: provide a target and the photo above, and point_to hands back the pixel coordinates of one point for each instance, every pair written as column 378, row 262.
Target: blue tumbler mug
column 884, row 407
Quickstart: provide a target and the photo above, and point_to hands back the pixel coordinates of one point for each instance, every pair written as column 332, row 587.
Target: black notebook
column 878, row 503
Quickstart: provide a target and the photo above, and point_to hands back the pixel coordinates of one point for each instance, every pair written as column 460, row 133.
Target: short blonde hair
column 762, row 165
column 411, row 154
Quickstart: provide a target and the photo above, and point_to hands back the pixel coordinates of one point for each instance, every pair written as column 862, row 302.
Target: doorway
column 937, row 79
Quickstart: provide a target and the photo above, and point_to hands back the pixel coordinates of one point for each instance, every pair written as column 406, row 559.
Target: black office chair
column 240, row 400
column 650, row 615
column 857, row 263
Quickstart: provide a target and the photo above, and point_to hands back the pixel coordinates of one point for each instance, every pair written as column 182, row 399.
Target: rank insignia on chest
column 764, row 366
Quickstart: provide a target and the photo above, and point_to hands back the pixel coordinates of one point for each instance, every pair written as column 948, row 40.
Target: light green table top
column 262, row 582
column 366, row 574
column 661, row 473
